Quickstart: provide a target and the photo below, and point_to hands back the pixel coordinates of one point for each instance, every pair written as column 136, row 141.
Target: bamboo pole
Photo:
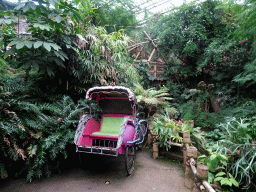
column 138, row 44
column 208, row 186
column 151, row 55
column 202, row 188
column 155, row 46
column 202, row 175
column 138, row 53
column 138, row 61
column 193, row 165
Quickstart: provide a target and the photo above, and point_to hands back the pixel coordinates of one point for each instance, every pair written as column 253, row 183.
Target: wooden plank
column 138, row 53
column 175, row 144
column 151, row 55
column 155, row 46
column 137, row 44
column 138, row 61
column 156, row 62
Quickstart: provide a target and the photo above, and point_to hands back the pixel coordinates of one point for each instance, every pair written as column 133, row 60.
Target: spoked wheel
column 130, row 156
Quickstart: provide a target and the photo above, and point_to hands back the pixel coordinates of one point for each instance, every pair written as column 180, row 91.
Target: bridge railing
column 196, row 175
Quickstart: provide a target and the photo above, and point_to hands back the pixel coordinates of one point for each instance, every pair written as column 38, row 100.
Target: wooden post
column 189, row 175
column 155, row 150
column 186, row 137
column 186, row 141
column 150, row 134
column 202, row 174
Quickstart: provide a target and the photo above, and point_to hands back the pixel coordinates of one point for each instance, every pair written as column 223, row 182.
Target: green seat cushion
column 110, row 126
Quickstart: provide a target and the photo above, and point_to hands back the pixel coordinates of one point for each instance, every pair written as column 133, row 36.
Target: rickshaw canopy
column 98, row 93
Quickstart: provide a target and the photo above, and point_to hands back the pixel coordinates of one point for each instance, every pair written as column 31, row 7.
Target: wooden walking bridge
column 154, row 58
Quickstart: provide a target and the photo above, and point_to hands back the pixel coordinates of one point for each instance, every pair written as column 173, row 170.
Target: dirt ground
column 101, row 173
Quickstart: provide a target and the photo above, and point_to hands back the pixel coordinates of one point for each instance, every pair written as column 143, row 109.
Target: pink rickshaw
column 118, row 132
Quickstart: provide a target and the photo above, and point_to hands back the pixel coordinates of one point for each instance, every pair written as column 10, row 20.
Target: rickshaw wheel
column 130, row 156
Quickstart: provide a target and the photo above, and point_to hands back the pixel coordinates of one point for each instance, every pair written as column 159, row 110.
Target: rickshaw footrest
column 98, row 150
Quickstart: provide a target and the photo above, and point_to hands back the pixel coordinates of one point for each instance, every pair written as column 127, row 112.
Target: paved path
column 149, row 175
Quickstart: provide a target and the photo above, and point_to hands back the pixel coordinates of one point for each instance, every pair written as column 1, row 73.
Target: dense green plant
column 5, row 5
column 201, row 105
column 238, row 144
column 63, row 44
column 40, row 49
column 175, row 91
column 107, row 60
column 116, row 15
column 34, row 135
column 244, row 17
column 215, row 135
column 167, row 130
column 218, row 170
column 145, row 77
column 185, row 36
column 151, row 99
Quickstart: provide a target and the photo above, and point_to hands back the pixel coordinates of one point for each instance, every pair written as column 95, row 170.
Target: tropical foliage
column 73, row 45
column 34, row 134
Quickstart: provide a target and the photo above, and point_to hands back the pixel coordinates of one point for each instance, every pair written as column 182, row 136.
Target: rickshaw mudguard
column 86, row 126
column 127, row 132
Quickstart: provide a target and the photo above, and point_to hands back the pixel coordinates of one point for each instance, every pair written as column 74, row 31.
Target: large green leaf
column 55, row 46
column 59, row 62
column 32, row 5
column 26, row 7
column 42, row 26
column 225, row 181
column 27, row 65
column 10, row 52
column 234, row 182
column 58, row 19
column 8, row 21
column 220, row 174
column 47, row 46
column 28, row 44
column 51, row 15
column 20, row 5
column 38, row 44
column 13, row 43
column 77, row 2
column 20, row 45
column 35, row 65
column 49, row 71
